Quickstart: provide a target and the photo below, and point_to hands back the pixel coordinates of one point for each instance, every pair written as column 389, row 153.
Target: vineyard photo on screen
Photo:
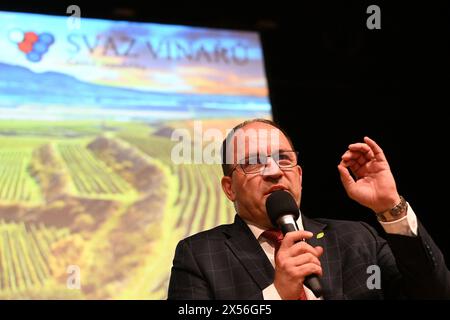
column 91, row 203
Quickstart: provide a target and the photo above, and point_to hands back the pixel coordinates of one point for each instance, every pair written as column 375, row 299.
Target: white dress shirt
column 405, row 226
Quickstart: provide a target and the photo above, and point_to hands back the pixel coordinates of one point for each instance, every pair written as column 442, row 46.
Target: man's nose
column 271, row 169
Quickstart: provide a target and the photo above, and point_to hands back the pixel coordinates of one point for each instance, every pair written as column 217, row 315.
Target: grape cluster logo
column 33, row 45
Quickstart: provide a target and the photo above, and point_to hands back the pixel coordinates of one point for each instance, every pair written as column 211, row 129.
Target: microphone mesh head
column 280, row 203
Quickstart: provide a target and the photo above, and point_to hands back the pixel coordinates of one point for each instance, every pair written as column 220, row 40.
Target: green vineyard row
column 90, row 175
column 16, row 184
column 24, row 253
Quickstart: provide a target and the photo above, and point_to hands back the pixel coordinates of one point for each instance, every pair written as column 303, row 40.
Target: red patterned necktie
column 275, row 237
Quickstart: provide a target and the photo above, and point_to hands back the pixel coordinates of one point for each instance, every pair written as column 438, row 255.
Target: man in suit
column 242, row 261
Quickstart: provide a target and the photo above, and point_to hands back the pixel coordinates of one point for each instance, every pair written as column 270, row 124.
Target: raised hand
column 372, row 184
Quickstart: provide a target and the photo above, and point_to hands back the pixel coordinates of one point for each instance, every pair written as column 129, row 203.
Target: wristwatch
column 394, row 213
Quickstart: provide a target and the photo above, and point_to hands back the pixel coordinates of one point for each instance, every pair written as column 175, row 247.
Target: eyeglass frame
column 266, row 164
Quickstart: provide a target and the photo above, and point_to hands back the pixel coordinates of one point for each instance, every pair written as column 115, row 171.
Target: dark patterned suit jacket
column 227, row 262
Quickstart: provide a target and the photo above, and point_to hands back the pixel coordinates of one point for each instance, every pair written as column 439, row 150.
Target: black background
column 332, row 81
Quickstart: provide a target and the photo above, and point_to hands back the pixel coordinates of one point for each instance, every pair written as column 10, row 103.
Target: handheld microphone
column 283, row 213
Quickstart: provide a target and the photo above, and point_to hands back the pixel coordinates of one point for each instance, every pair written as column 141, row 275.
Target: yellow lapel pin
column 320, row 235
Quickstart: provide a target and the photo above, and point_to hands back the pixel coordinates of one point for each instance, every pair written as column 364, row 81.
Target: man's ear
column 300, row 173
column 226, row 187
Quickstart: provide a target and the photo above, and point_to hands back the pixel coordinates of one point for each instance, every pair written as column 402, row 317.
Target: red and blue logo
column 33, row 45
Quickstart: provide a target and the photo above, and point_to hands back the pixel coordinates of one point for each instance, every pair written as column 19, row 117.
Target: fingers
column 292, row 237
column 377, row 151
column 301, row 253
column 298, row 256
column 301, row 271
column 304, row 247
column 300, row 260
column 357, row 156
column 356, row 160
column 305, row 259
column 353, row 165
column 346, row 179
column 369, row 150
column 319, row 250
column 308, row 269
column 362, row 149
column 356, row 169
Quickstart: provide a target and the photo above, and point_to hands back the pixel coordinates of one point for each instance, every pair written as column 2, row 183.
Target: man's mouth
column 275, row 188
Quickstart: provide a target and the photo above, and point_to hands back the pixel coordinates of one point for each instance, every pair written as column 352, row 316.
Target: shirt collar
column 257, row 231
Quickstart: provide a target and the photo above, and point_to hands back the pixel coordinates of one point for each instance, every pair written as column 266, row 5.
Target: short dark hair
column 226, row 167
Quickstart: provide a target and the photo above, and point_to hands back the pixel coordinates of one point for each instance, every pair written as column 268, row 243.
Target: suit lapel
column 248, row 251
column 330, row 259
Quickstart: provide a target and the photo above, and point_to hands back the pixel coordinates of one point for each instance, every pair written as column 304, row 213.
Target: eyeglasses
column 257, row 163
